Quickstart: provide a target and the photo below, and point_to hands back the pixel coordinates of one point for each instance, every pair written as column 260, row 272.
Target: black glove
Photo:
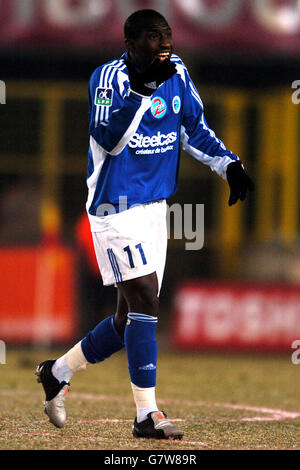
column 147, row 81
column 239, row 182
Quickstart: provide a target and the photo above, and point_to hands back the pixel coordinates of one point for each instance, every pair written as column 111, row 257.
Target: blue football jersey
column 135, row 141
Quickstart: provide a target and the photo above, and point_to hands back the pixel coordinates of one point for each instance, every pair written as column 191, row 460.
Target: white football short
column 132, row 243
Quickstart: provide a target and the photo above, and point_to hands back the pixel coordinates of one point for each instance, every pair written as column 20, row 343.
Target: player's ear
column 129, row 43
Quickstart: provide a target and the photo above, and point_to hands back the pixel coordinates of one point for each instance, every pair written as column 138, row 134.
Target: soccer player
column 142, row 107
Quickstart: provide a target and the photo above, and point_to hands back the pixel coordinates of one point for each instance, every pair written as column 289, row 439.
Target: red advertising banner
column 37, row 292
column 236, row 317
column 258, row 26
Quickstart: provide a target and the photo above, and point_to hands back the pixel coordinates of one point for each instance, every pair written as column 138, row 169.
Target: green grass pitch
column 221, row 401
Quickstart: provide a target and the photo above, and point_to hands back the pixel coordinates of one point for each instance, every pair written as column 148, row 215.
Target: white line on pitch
column 272, row 414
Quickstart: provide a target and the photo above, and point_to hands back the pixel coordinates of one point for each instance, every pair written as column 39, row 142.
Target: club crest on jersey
column 103, row 96
column 158, row 107
column 176, row 103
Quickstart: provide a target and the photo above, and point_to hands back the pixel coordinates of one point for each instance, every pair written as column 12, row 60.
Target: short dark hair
column 138, row 20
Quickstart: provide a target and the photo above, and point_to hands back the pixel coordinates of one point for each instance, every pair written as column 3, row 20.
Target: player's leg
column 128, row 254
column 141, row 295
column 120, row 318
column 55, row 375
column 107, row 337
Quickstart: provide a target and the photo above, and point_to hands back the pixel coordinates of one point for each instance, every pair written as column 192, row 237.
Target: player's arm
column 113, row 122
column 201, row 142
column 113, row 118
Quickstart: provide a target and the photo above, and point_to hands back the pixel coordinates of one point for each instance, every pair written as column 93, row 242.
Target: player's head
column 148, row 36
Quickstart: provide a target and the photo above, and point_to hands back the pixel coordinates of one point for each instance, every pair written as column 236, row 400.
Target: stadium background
column 243, row 60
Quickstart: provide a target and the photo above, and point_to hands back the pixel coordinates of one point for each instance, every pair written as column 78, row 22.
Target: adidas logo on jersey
column 151, row 85
column 141, row 141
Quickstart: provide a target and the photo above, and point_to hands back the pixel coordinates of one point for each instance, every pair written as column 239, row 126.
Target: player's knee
column 148, row 301
column 142, row 296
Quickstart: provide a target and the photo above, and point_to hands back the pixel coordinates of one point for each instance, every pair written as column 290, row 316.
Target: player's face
column 154, row 42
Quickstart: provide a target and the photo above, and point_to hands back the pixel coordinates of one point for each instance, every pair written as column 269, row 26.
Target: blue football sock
column 102, row 341
column 141, row 348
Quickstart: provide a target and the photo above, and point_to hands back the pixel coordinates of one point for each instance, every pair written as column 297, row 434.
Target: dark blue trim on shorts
column 114, row 265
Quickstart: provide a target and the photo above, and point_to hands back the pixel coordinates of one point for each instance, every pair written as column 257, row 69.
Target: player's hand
column 147, row 81
column 239, row 182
